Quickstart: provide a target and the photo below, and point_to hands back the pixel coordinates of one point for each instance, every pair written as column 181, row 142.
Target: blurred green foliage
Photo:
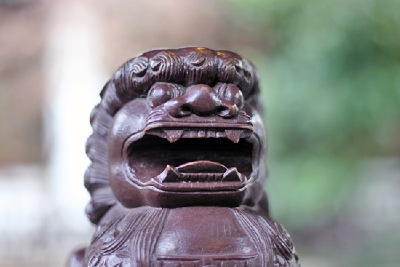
column 330, row 71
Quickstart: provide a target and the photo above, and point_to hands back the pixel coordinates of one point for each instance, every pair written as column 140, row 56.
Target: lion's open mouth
column 193, row 159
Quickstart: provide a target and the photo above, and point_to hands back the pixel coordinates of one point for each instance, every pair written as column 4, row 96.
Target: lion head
column 178, row 128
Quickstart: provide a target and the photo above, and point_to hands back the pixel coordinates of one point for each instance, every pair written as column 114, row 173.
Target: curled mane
column 133, row 79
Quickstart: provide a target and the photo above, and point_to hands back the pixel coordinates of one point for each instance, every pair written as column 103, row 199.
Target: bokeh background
column 330, row 74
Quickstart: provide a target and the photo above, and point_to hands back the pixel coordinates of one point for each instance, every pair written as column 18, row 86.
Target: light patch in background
column 74, row 78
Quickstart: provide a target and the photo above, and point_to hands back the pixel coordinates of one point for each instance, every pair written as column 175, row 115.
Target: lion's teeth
column 201, row 134
column 220, row 134
column 211, row 134
column 202, row 177
column 170, row 175
column 173, row 135
column 192, row 134
column 231, row 175
column 234, row 135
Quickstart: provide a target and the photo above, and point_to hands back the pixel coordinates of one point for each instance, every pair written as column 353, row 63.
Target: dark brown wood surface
column 178, row 166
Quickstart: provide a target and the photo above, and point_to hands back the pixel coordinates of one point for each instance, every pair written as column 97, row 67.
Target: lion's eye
column 230, row 92
column 161, row 92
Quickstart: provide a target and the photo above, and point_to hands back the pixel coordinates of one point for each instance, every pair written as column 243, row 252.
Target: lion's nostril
column 222, row 109
column 228, row 111
column 178, row 109
column 185, row 108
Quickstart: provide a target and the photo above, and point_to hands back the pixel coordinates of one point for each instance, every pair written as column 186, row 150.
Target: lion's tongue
column 201, row 166
column 200, row 171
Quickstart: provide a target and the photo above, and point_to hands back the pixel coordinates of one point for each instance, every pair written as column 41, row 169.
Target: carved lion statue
column 178, row 166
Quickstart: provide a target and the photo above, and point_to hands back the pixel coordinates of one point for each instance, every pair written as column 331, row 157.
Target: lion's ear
column 101, row 201
column 96, row 175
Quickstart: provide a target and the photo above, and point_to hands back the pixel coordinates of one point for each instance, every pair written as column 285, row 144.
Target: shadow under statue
column 178, row 166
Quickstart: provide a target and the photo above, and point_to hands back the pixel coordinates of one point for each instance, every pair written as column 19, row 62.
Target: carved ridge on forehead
column 185, row 66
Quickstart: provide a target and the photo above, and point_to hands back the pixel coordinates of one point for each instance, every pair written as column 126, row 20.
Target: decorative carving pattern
column 128, row 240
column 273, row 235
column 177, row 154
